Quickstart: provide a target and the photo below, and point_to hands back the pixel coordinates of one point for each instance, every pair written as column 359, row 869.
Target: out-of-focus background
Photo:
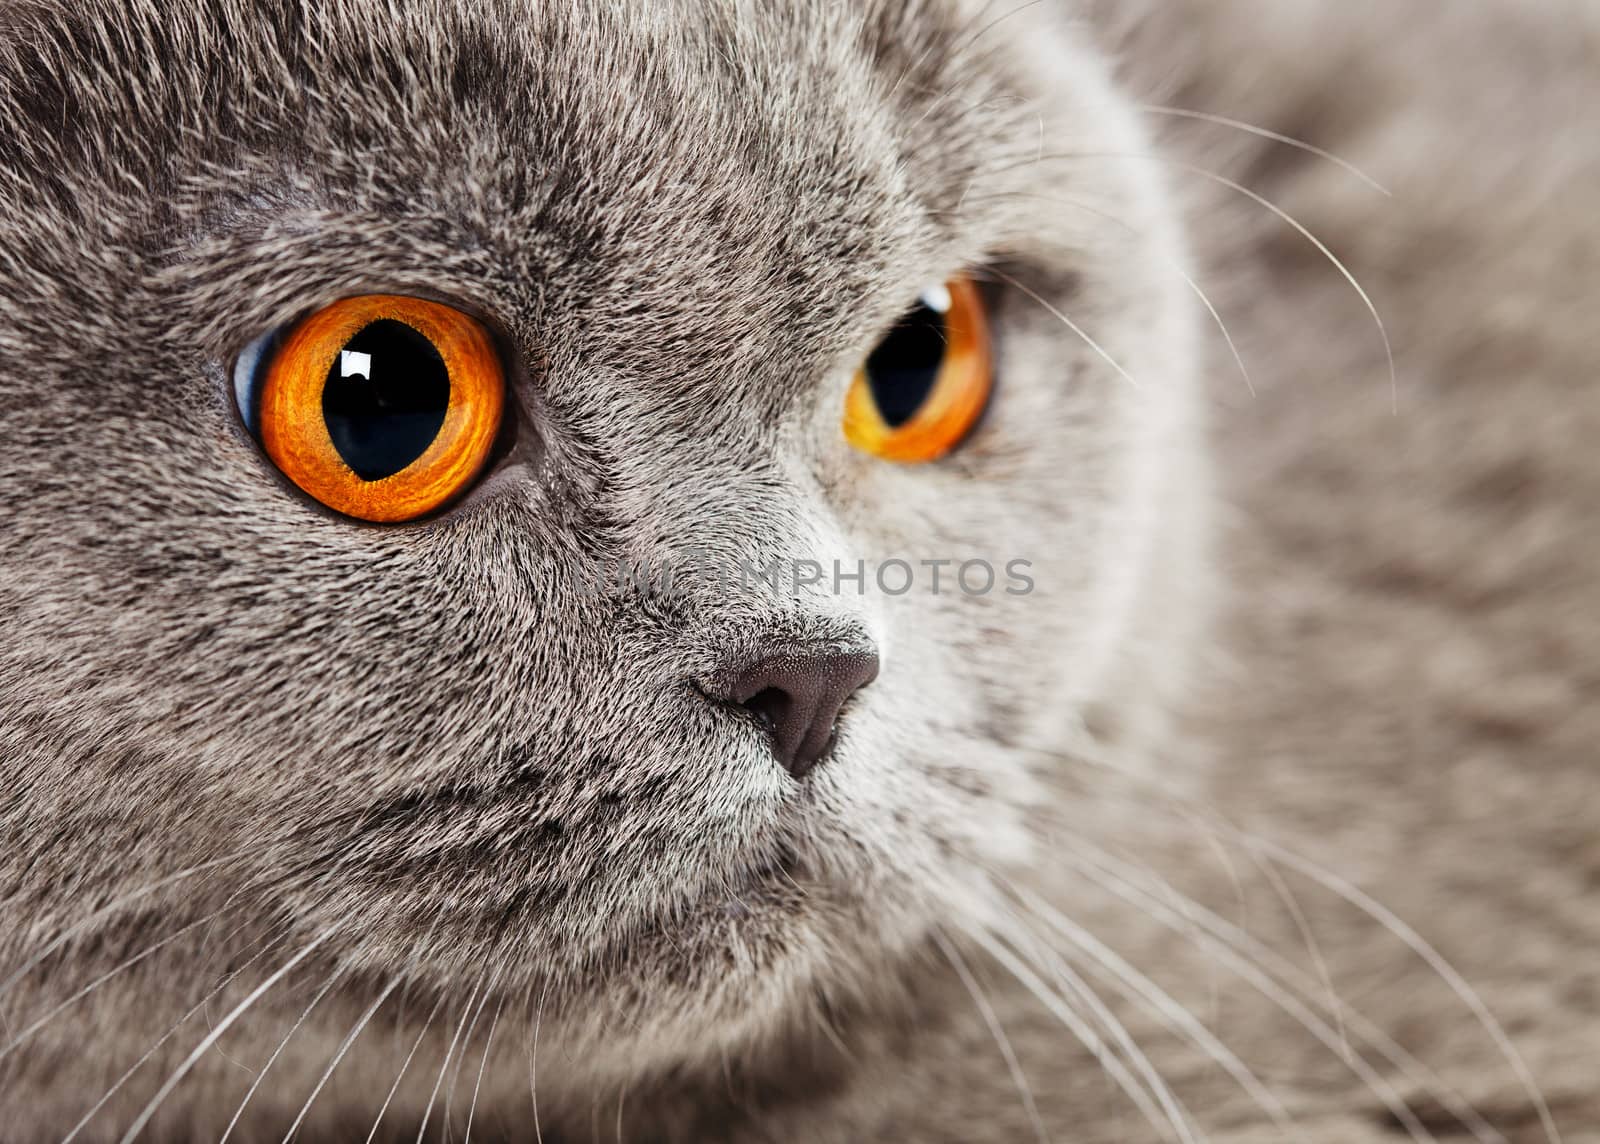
column 1408, row 695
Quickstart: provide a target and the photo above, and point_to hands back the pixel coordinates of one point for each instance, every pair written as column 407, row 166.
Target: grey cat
column 405, row 831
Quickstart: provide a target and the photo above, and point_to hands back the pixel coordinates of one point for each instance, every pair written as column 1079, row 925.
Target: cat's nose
column 799, row 695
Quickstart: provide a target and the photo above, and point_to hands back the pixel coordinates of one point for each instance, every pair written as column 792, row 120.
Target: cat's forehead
column 666, row 164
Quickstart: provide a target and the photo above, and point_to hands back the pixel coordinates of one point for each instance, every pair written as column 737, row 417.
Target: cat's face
column 686, row 225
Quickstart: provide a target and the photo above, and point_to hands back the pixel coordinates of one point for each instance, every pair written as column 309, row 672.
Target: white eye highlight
column 352, row 364
column 937, row 298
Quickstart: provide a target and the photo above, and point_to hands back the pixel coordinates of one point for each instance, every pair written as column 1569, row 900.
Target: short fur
column 494, row 814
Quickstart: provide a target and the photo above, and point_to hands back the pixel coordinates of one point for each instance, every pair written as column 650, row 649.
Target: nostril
column 770, row 705
column 798, row 697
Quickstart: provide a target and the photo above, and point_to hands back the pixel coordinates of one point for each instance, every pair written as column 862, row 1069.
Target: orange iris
column 383, row 407
column 923, row 389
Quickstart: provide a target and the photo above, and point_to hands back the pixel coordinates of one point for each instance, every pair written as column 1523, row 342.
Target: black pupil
column 904, row 367
column 385, row 398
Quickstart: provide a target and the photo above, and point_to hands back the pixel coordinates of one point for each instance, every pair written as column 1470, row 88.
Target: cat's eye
column 382, row 407
column 923, row 388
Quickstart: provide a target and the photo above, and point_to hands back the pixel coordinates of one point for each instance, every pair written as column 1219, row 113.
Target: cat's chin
column 768, row 971
column 770, row 883
column 738, row 952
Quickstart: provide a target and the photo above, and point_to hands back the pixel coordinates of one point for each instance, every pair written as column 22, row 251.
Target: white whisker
column 1177, row 1115
column 1283, row 215
column 116, row 1085
column 211, row 1038
column 449, row 1053
column 1165, row 1005
column 1264, row 133
column 533, row 1054
column 1435, row 961
column 482, row 1064
column 1303, row 925
column 404, row 1065
column 95, row 984
column 997, row 1031
column 106, row 911
column 1109, row 1061
column 1322, row 247
column 1270, row 988
column 261, row 1076
column 1177, row 268
column 1247, row 957
column 466, row 1046
column 1217, row 929
column 1227, row 335
column 1070, row 324
column 344, row 1047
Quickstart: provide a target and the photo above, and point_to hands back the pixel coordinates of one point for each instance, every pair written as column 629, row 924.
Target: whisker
column 922, row 57
column 1275, row 992
column 1322, row 247
column 1219, row 930
column 1165, row 1005
column 106, row 911
column 1069, row 323
column 1264, row 133
column 427, row 1024
column 1225, row 861
column 461, row 1061
column 344, row 1047
column 1303, row 925
column 444, row 1066
column 533, row 1053
column 1245, row 955
column 997, row 1031
column 1267, row 204
column 1177, row 1114
column 333, row 979
column 96, row 983
column 205, row 1011
column 1435, row 961
column 1109, row 1061
column 961, row 49
column 116, row 1085
column 222, row 1026
column 993, row 24
column 1227, row 335
column 1177, row 268
column 483, row 1064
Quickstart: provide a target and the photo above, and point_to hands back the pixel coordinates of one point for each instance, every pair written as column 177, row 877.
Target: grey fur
column 688, row 221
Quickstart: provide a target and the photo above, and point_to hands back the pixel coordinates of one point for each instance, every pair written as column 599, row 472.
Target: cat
column 345, row 830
